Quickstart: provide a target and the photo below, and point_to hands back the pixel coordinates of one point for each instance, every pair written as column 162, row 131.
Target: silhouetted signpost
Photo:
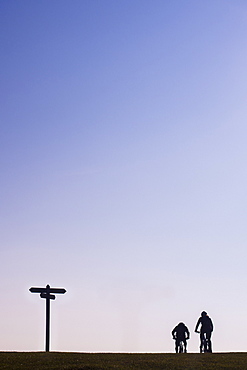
column 46, row 293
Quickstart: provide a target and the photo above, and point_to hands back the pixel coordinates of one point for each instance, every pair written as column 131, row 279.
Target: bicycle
column 180, row 346
column 205, row 345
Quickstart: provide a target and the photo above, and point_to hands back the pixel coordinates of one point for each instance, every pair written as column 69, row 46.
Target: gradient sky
column 123, row 172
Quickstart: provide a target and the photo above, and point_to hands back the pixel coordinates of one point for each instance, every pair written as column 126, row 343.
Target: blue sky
column 123, row 161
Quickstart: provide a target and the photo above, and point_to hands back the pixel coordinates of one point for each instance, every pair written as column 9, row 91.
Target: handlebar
column 181, row 339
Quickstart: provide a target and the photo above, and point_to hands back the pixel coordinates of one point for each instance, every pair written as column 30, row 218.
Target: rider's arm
column 212, row 327
column 198, row 323
column 187, row 333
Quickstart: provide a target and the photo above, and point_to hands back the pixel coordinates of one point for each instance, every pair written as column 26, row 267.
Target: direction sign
column 57, row 290
column 49, row 296
column 51, row 290
column 37, row 290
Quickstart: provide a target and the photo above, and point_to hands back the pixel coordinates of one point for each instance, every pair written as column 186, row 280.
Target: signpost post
column 46, row 293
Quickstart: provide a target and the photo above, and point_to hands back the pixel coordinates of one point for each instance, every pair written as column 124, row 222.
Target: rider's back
column 181, row 331
column 207, row 324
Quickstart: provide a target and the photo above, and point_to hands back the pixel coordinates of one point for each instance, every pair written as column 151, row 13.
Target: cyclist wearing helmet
column 205, row 332
column 180, row 333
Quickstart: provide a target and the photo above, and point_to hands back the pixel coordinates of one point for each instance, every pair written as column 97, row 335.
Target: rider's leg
column 185, row 345
column 180, row 347
column 176, row 345
column 208, row 336
column 202, row 342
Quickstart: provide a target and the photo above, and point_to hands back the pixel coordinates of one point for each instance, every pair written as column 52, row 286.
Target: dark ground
column 123, row 361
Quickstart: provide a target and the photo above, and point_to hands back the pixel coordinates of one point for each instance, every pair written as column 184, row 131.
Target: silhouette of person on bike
column 205, row 332
column 180, row 333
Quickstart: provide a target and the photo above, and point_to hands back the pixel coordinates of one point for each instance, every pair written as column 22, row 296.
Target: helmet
column 204, row 313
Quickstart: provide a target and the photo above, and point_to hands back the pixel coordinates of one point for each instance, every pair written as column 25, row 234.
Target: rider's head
column 203, row 313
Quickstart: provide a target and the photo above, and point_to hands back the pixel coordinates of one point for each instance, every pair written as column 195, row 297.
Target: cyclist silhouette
column 180, row 333
column 205, row 332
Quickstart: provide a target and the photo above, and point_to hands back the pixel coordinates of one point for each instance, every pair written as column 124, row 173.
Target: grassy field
column 100, row 361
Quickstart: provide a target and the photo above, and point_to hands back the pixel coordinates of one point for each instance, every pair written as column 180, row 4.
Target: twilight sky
column 123, row 172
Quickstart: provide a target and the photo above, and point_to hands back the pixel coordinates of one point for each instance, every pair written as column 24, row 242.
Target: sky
column 123, row 172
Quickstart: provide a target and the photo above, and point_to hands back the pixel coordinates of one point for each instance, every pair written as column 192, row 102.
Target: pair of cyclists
column 181, row 334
